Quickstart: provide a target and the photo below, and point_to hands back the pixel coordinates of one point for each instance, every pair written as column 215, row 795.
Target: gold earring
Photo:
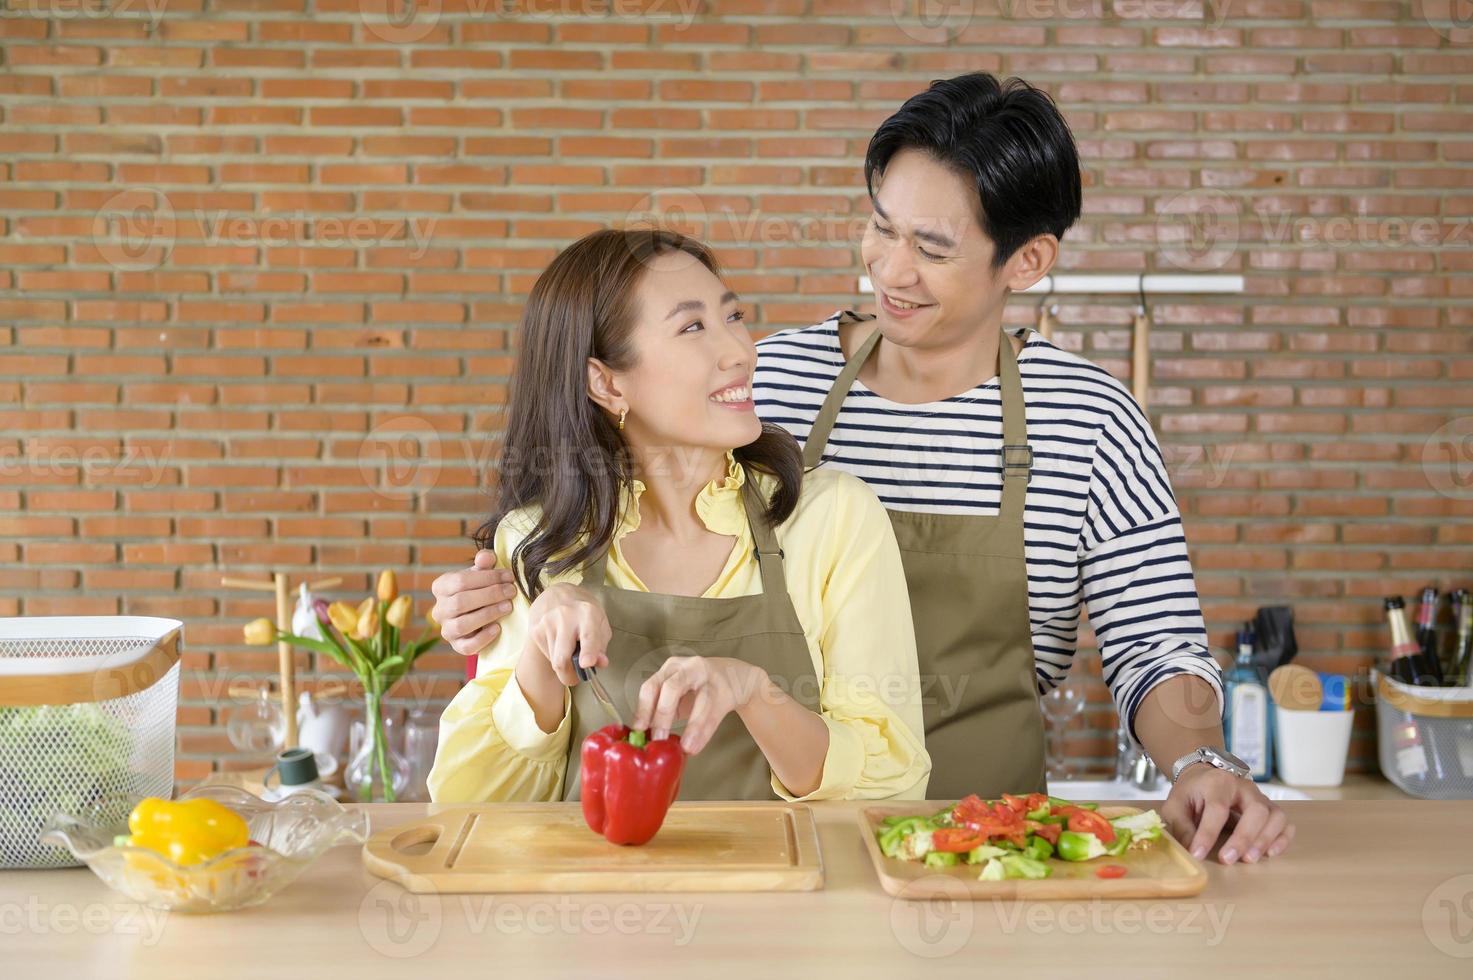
column 621, row 419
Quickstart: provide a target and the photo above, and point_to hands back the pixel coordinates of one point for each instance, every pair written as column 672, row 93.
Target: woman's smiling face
column 691, row 381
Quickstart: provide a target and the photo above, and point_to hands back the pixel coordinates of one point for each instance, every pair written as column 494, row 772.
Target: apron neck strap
column 1017, row 455
column 764, row 544
column 818, row 436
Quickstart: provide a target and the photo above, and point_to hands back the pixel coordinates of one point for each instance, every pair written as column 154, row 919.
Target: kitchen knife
column 590, row 675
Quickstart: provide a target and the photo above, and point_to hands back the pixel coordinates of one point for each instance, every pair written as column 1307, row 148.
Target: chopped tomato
column 971, row 809
column 1018, row 837
column 956, row 839
column 1083, row 821
column 1017, row 804
column 1088, row 822
column 974, row 812
column 1048, row 831
column 1110, row 871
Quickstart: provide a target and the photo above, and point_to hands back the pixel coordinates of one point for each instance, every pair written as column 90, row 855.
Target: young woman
column 661, row 533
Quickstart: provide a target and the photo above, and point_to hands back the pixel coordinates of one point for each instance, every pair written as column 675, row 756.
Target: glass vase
column 378, row 772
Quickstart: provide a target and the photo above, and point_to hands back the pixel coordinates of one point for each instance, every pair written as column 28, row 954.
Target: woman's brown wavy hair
column 562, row 451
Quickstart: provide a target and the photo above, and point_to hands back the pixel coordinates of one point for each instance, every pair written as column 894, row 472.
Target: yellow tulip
column 364, row 606
column 343, row 617
column 259, row 632
column 388, row 587
column 400, row 610
column 367, row 624
column 431, row 625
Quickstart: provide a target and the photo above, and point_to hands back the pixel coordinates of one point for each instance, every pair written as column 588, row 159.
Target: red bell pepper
column 629, row 782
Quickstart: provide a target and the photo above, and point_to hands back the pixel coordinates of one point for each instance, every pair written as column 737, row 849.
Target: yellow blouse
column 848, row 589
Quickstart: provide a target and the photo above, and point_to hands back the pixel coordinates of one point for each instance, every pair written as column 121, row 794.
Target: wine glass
column 257, row 726
column 1061, row 706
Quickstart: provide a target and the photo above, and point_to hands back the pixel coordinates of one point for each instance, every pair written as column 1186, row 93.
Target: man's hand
column 469, row 603
column 1206, row 799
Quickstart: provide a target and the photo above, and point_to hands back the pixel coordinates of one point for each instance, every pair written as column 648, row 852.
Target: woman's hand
column 563, row 617
column 1205, row 799
column 703, row 690
column 470, row 603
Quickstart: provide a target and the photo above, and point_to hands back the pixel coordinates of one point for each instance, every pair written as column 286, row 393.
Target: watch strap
column 1205, row 754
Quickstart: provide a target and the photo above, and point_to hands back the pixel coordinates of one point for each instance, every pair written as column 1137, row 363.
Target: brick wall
column 259, row 260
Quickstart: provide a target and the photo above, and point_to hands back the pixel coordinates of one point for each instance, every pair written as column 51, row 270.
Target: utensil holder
column 1311, row 746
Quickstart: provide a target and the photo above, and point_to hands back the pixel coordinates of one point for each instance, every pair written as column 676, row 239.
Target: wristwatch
column 1221, row 758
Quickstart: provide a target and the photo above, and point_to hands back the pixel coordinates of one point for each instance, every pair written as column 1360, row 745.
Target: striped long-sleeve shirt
column 1101, row 525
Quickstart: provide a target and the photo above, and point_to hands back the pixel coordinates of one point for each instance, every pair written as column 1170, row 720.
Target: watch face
column 1230, row 759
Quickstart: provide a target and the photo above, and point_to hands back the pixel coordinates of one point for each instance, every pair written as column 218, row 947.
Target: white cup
column 1312, row 745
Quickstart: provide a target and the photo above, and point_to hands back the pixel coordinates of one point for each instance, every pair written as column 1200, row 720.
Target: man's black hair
column 1007, row 138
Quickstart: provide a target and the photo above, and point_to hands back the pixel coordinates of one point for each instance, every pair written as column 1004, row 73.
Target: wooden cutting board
column 547, row 847
column 1162, row 870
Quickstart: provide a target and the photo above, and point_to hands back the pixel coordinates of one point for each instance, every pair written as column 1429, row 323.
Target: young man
column 1022, row 481
column 1007, row 528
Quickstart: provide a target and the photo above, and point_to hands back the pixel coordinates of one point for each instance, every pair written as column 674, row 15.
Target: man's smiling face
column 924, row 246
column 930, row 260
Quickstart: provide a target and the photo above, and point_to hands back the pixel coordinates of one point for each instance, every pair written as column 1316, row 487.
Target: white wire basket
column 1425, row 738
column 87, row 712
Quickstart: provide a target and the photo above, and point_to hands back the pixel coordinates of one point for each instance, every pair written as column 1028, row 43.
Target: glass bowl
column 294, row 832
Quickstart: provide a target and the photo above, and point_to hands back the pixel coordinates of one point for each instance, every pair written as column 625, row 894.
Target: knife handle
column 582, row 672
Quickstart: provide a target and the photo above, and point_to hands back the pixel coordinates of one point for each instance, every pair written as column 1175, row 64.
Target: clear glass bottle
column 1248, row 726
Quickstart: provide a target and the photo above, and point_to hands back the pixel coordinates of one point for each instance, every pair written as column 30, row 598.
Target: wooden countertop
column 1369, row 887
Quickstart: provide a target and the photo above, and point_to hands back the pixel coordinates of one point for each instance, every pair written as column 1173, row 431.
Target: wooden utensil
column 546, row 847
column 1295, row 687
column 1163, row 869
column 286, row 665
column 1047, row 321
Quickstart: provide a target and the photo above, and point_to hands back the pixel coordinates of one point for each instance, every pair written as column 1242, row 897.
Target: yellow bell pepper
column 186, row 831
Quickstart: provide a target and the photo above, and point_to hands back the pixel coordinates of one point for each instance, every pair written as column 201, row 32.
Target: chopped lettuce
column 915, row 845
column 1143, row 826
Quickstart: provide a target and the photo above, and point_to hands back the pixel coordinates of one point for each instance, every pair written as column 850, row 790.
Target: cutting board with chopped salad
column 1032, row 846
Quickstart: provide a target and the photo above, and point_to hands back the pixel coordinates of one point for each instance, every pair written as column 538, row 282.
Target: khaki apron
column 968, row 584
column 649, row 628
